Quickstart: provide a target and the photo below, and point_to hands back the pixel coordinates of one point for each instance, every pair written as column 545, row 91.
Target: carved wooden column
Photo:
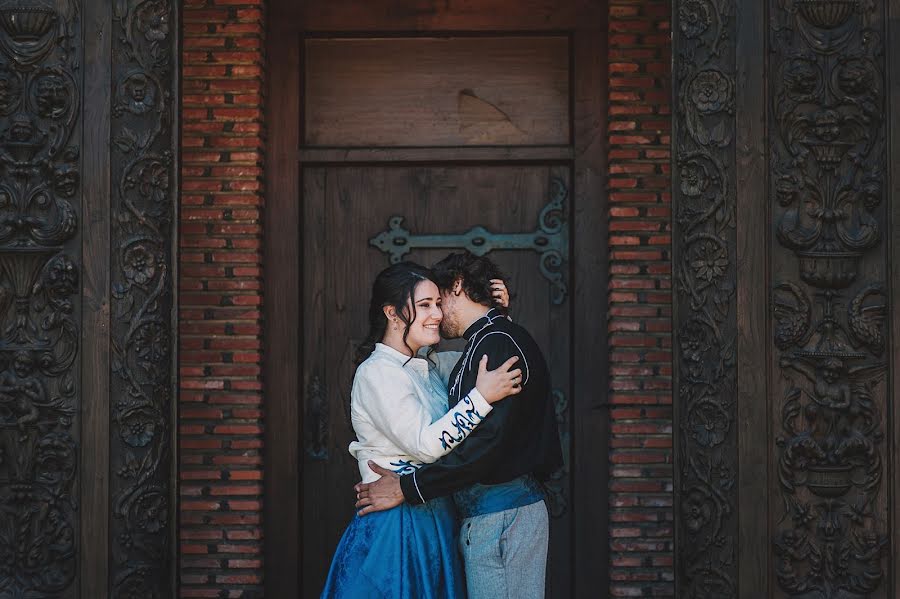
column 143, row 330
column 784, row 270
column 704, row 280
column 87, row 200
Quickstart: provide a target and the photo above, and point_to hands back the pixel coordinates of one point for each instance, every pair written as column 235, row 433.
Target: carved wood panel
column 40, row 146
column 704, row 282
column 820, row 419
column 42, row 205
column 143, row 191
column 827, row 131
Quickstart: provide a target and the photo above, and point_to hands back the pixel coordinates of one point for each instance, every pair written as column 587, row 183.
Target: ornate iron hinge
column 557, row 486
column 550, row 240
column 316, row 419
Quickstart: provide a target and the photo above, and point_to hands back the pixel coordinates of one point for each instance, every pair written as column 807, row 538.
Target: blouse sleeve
column 389, row 399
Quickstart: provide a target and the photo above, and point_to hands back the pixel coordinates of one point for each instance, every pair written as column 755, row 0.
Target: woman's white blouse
column 398, row 407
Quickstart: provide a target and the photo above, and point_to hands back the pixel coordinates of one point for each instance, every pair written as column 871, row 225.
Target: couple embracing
column 451, row 446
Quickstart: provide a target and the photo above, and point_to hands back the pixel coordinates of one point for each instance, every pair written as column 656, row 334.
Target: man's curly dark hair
column 475, row 272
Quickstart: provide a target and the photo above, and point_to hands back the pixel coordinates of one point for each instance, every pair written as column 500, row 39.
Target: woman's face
column 425, row 329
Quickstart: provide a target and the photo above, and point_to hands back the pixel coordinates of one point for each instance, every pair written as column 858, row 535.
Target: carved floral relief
column 143, row 208
column 829, row 304
column 705, row 313
column 40, row 104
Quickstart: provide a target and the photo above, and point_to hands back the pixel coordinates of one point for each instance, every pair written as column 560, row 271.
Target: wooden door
column 88, row 180
column 350, row 205
column 786, row 317
column 475, row 139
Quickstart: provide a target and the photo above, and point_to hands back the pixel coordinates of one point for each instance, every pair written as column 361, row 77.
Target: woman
column 399, row 413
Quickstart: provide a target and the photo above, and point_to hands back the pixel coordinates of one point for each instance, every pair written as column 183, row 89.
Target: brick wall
column 640, row 299
column 221, row 401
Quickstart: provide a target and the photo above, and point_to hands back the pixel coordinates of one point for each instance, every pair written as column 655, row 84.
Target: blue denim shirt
column 487, row 499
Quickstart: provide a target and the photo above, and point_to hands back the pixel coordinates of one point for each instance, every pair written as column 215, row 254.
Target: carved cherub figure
column 830, row 390
column 831, row 387
column 21, row 390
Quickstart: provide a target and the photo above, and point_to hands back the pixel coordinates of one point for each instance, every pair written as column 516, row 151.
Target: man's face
column 450, row 325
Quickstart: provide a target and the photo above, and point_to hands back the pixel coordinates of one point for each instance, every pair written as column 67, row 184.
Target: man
column 493, row 473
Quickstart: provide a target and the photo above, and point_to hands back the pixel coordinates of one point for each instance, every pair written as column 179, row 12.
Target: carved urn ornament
column 28, row 29
column 829, row 481
column 27, row 23
column 826, row 14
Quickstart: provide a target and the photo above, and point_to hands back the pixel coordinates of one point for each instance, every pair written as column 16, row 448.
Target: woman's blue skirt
column 408, row 552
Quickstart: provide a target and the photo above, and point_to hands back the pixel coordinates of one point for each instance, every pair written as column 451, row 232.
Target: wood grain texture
column 344, row 207
column 95, row 359
column 437, row 91
column 440, row 189
column 893, row 101
column 438, row 154
column 437, row 15
column 282, row 307
column 590, row 358
column 753, row 326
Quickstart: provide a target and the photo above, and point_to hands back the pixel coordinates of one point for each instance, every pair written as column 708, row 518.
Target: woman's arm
column 388, row 398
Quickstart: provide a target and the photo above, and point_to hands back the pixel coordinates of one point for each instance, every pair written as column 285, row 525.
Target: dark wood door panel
column 438, row 15
column 347, row 207
column 86, row 298
column 787, row 448
column 501, row 187
column 437, row 91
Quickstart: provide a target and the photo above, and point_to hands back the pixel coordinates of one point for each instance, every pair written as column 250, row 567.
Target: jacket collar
column 492, row 315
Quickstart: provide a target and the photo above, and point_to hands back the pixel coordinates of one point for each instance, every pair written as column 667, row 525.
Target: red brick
column 223, row 111
column 639, row 315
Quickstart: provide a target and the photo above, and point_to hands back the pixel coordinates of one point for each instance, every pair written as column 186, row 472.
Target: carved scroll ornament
column 705, row 313
column 828, row 173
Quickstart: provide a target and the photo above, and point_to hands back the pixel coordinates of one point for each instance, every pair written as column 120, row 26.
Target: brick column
column 640, row 299
column 220, row 300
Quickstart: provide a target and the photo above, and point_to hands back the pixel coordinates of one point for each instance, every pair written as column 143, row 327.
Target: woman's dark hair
column 475, row 272
column 394, row 286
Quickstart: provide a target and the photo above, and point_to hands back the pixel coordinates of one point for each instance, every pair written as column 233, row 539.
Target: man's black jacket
column 519, row 436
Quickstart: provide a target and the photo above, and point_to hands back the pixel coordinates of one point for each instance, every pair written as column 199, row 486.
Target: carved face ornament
column 52, row 97
column 66, row 180
column 827, row 125
column 137, row 94
column 801, row 78
column 24, row 364
column 832, row 370
column 856, row 78
column 22, row 129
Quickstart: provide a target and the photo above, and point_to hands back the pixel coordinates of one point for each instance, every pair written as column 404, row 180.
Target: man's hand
column 383, row 494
